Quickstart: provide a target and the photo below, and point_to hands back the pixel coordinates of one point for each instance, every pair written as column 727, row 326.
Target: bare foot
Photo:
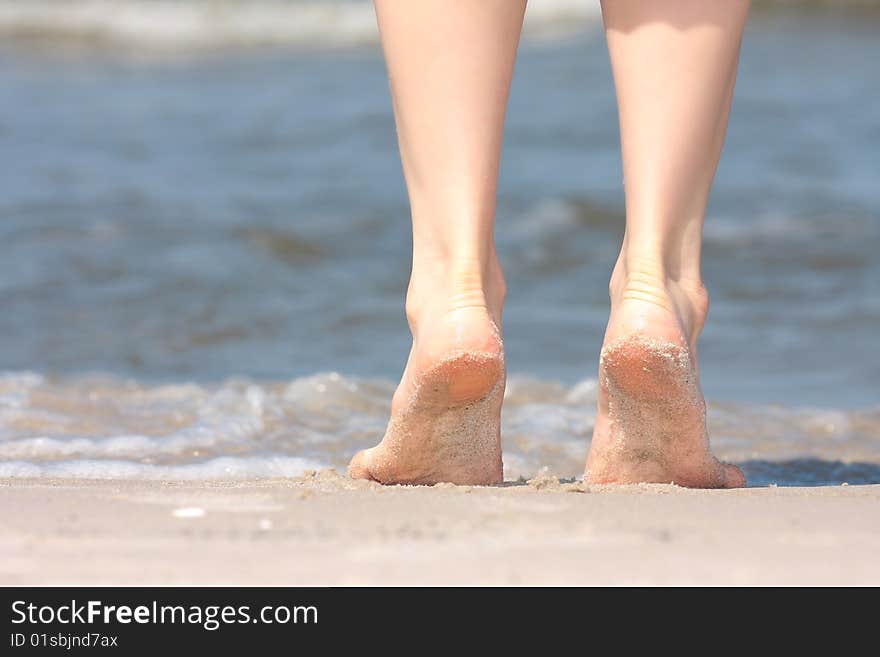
column 651, row 422
column 446, row 412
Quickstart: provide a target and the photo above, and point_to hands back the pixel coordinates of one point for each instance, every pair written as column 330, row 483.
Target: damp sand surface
column 325, row 529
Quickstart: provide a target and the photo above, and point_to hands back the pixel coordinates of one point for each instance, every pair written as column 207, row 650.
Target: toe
column 359, row 468
column 733, row 476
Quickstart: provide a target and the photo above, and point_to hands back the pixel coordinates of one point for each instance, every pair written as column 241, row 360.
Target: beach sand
column 325, row 529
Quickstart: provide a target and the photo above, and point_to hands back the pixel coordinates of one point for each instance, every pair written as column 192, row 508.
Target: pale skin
column 450, row 63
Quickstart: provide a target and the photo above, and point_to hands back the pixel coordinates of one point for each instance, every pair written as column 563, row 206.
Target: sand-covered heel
column 449, row 430
column 655, row 427
column 455, row 410
column 461, row 379
column 646, row 369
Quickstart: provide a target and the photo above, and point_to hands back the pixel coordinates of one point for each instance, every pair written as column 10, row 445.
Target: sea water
column 204, row 242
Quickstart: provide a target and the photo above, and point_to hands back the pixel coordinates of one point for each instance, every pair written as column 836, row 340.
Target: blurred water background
column 204, row 240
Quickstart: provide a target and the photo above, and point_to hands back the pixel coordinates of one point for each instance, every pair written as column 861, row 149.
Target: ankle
column 445, row 285
column 454, row 307
column 640, row 276
column 663, row 282
column 656, row 265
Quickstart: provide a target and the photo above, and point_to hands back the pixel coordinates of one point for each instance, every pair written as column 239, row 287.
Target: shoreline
column 325, row 529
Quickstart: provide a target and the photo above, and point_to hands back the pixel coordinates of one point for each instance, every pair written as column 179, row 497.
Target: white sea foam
column 197, row 24
column 256, row 467
column 107, row 428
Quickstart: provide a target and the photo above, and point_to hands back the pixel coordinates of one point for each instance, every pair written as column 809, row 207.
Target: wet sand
column 327, row 529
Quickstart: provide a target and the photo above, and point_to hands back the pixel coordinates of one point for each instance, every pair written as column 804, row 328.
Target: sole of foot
column 651, row 424
column 447, row 428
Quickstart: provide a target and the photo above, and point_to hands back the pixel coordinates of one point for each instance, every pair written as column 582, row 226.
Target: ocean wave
column 106, row 427
column 553, row 217
column 213, row 469
column 211, row 24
